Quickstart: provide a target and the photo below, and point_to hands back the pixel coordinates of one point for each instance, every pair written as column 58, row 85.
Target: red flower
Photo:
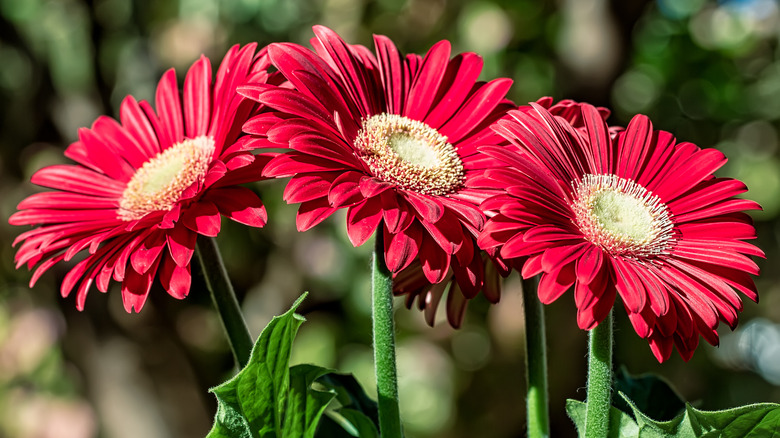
column 391, row 138
column 412, row 283
column 145, row 187
column 634, row 214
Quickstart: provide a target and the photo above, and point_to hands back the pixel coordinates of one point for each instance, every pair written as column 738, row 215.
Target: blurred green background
column 708, row 71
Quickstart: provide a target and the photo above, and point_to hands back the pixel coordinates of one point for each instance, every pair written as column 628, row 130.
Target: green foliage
column 268, row 399
column 757, row 420
column 655, row 397
column 649, row 393
column 621, row 425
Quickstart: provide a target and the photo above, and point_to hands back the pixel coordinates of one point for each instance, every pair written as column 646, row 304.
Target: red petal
column 311, row 213
column 362, row 220
column 428, row 207
column 181, row 244
column 239, row 204
column 398, row 215
column 370, row 186
column 456, row 306
column 447, row 233
column 93, row 151
column 629, row 287
column 563, row 255
column 67, row 201
column 137, row 124
column 435, row 261
column 462, row 73
column 78, row 179
column 145, row 256
column 661, row 347
column 357, row 79
column 135, row 289
column 552, row 285
column 345, row 190
column 175, row 279
column 169, row 108
column 395, row 78
column 308, row 187
column 203, row 218
column 402, row 248
column 589, row 265
column 633, row 146
column 470, row 277
column 427, row 80
column 471, row 114
column 197, row 98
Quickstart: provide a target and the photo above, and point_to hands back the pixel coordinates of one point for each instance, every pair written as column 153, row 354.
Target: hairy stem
column 599, row 398
column 384, row 343
column 535, row 362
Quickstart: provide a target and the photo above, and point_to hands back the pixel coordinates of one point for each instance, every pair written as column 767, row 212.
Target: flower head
column 629, row 213
column 145, row 187
column 392, row 139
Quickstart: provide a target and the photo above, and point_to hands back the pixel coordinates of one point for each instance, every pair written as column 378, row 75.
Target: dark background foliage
column 707, row 71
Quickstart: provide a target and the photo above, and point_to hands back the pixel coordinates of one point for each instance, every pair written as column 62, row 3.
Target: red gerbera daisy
column 393, row 140
column 145, row 187
column 412, row 283
column 635, row 214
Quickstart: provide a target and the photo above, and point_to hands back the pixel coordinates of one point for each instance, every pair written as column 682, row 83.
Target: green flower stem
column 384, row 343
column 599, row 398
column 225, row 300
column 535, row 362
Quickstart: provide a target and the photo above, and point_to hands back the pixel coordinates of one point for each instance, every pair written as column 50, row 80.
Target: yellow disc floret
column 159, row 183
column 622, row 217
column 410, row 154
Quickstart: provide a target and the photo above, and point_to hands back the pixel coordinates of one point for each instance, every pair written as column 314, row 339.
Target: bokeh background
column 709, row 71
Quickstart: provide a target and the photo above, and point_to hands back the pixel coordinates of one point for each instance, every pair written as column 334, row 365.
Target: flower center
column 159, row 183
column 622, row 217
column 409, row 153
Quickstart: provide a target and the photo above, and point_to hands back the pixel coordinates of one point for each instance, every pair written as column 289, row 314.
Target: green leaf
column 760, row 420
column 346, row 423
column 350, row 395
column 305, row 404
column 268, row 399
column 356, row 415
column 753, row 421
column 228, row 423
column 621, row 425
column 650, row 393
column 252, row 403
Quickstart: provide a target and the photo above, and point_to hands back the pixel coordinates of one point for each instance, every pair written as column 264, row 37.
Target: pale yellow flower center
column 409, row 153
column 159, row 183
column 622, row 217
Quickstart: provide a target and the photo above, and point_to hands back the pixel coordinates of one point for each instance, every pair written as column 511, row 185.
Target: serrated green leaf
column 755, row 421
column 758, row 420
column 576, row 411
column 228, row 423
column 649, row 428
column 621, row 425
